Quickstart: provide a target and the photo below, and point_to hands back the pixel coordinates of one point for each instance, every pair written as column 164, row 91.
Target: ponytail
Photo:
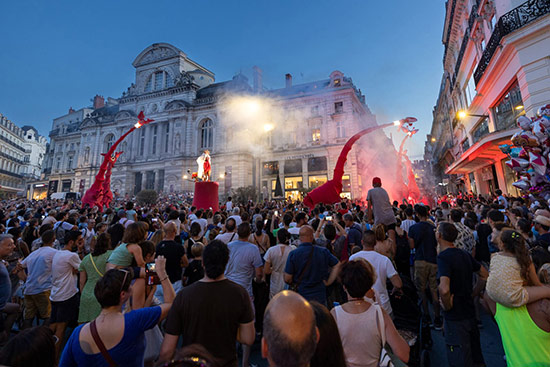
column 514, row 243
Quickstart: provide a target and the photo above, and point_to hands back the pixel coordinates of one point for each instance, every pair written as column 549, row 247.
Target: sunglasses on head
column 126, row 272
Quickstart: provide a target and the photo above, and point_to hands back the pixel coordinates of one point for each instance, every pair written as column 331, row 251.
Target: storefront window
column 508, row 108
column 316, row 181
column 270, row 168
column 292, row 188
column 317, row 164
column 66, row 186
column 293, row 183
column 293, row 166
column 480, row 130
column 346, row 183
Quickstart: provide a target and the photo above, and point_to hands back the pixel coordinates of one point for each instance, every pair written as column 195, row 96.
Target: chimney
column 258, row 87
column 99, row 101
column 71, row 110
column 288, row 79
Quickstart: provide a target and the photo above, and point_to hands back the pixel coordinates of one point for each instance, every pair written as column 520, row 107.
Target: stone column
column 305, row 176
column 282, row 175
column 156, row 182
column 143, row 180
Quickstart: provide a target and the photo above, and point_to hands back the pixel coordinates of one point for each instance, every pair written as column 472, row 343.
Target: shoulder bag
column 387, row 357
column 294, row 286
column 101, row 346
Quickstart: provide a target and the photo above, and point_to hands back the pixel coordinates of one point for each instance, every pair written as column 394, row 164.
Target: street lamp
column 461, row 114
column 433, row 140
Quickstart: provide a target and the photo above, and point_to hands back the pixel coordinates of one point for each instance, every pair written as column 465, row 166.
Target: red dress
column 207, row 166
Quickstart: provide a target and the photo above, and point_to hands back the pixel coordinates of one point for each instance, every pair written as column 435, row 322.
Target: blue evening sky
column 58, row 54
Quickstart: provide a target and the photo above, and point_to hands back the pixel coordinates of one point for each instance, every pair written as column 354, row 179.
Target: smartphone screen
column 328, row 217
column 276, row 212
column 151, row 275
column 265, row 222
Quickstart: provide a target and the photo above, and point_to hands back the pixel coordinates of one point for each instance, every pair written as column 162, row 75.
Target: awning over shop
column 483, row 153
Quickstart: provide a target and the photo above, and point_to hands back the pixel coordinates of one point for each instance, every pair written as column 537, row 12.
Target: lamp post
column 463, row 114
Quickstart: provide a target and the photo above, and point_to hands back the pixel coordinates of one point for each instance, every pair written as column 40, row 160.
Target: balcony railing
column 20, row 147
column 11, row 173
column 473, row 16
column 508, row 23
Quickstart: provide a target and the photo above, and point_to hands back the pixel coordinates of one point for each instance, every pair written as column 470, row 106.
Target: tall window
column 340, row 130
column 159, row 80
column 167, row 138
column 142, row 142
column 316, row 135
column 108, row 143
column 206, row 134
column 154, row 145
column 338, row 107
column 508, row 108
column 70, row 162
column 470, row 91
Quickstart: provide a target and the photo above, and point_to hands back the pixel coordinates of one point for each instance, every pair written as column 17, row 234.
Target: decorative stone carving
column 184, row 79
column 156, row 54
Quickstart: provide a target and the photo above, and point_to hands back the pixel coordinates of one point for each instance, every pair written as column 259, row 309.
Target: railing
column 20, row 147
column 11, row 173
column 9, row 157
column 449, row 27
column 508, row 23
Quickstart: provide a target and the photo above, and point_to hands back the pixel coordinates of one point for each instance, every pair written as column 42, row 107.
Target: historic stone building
column 182, row 97
column 22, row 150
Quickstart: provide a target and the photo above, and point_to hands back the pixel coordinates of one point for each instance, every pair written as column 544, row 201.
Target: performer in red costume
column 94, row 195
column 205, row 167
column 329, row 192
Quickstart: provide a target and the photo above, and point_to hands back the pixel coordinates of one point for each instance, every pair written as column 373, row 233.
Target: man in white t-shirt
column 237, row 216
column 229, row 205
column 407, row 223
column 301, row 220
column 230, row 233
column 384, row 270
column 201, row 221
column 64, row 295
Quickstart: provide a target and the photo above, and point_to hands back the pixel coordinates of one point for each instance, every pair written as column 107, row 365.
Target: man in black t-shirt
column 456, row 268
column 174, row 254
column 422, row 239
column 213, row 312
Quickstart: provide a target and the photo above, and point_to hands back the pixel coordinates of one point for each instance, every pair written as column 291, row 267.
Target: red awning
column 483, row 153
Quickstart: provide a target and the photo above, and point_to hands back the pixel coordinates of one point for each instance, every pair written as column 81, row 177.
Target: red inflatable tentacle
column 343, row 157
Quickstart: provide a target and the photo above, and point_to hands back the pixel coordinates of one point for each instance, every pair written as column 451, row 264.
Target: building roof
column 239, row 83
column 304, row 88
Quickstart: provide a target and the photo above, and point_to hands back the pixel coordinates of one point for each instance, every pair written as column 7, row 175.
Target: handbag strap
column 302, row 273
column 380, row 323
column 95, row 267
column 100, row 345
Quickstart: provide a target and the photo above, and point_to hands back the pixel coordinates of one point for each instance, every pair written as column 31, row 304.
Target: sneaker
column 438, row 323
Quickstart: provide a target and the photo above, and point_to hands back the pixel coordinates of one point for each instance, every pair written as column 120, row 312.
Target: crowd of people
column 174, row 285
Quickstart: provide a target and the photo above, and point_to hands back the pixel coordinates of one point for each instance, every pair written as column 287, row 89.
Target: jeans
column 463, row 344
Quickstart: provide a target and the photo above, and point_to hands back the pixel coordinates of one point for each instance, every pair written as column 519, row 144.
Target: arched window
column 108, row 142
column 207, row 132
column 159, row 80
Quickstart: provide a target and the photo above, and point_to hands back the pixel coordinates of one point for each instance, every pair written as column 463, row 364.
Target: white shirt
column 229, row 206
column 277, row 256
column 203, row 223
column 237, row 219
column 384, row 270
column 63, row 278
column 406, row 224
column 227, row 237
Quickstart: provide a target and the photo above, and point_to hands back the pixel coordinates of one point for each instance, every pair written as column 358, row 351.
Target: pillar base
column 206, row 196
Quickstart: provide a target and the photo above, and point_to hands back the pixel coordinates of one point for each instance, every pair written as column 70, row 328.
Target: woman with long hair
column 129, row 250
column 114, row 338
column 384, row 244
column 92, row 268
column 329, row 351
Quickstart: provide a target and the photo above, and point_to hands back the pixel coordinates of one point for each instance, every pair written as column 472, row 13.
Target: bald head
column 170, row 230
column 306, row 234
column 290, row 333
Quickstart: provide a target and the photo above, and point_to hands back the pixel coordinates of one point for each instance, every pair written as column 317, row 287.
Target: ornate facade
column 22, row 150
column 186, row 104
column 496, row 68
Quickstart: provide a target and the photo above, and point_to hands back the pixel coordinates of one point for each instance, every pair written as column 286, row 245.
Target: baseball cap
column 376, row 181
